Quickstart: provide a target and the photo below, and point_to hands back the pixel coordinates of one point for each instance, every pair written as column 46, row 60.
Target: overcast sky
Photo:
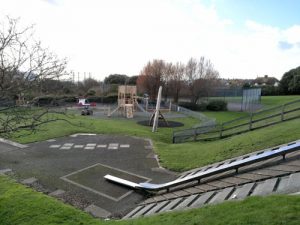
column 243, row 38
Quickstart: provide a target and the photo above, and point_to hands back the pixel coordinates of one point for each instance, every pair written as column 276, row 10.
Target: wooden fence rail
column 240, row 125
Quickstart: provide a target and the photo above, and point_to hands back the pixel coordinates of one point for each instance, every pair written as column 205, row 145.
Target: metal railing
column 233, row 165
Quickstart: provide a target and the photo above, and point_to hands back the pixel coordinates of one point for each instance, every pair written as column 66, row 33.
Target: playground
column 130, row 106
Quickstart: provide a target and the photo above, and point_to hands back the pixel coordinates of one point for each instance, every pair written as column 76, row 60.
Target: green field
column 271, row 101
column 224, row 116
column 23, row 206
column 266, row 101
column 232, row 123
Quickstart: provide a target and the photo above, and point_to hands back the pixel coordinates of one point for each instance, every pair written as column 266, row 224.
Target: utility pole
column 78, row 79
column 73, row 77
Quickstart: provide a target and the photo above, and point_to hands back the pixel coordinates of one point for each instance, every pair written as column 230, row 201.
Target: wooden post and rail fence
column 240, row 125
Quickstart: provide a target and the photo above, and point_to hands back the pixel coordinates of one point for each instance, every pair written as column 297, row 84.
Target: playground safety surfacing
column 77, row 164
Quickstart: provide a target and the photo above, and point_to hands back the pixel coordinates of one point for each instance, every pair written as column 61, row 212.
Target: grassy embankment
column 24, row 206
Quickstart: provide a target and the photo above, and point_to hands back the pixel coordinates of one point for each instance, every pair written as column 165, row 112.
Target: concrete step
column 186, row 202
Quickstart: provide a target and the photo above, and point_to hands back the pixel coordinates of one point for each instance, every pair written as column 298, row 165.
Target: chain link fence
column 206, row 124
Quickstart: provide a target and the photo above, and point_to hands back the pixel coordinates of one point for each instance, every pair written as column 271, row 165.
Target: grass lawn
column 189, row 155
column 266, row 101
column 271, row 101
column 223, row 116
column 24, row 206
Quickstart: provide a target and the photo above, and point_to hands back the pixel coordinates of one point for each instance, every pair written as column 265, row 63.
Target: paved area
column 72, row 168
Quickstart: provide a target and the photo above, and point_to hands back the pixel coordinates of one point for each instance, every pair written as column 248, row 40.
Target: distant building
column 265, row 81
column 231, row 83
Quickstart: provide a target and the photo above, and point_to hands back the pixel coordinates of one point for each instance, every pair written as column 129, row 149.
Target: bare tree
column 191, row 73
column 168, row 73
column 151, row 77
column 176, row 82
column 197, row 77
column 201, row 77
column 24, row 65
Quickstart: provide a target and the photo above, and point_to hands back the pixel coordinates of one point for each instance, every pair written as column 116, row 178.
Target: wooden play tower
column 127, row 100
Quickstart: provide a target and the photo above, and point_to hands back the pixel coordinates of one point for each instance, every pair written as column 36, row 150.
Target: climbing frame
column 127, row 96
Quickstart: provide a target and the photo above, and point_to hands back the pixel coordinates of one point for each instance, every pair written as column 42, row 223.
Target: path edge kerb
column 12, row 143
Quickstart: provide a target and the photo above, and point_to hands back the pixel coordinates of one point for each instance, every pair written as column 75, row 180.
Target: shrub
column 192, row 106
column 217, row 105
column 51, row 100
column 103, row 99
column 47, row 100
column 270, row 91
column 91, row 92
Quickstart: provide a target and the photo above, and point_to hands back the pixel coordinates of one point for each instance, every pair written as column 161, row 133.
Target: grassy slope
column 224, row 116
column 23, row 206
column 190, row 155
column 274, row 210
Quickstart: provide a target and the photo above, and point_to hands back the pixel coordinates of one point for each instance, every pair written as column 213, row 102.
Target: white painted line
column 101, row 146
column 51, row 140
column 124, row 146
column 82, row 134
column 89, row 148
column 113, row 146
column 65, row 178
column 78, row 146
column 65, row 148
column 68, row 144
column 12, row 143
column 91, row 144
column 54, row 146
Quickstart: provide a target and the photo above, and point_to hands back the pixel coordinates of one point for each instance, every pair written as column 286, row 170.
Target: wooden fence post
column 250, row 123
column 282, row 112
column 195, row 134
column 221, row 130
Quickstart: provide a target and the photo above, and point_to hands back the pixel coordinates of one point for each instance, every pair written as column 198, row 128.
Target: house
column 234, row 82
column 265, row 81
